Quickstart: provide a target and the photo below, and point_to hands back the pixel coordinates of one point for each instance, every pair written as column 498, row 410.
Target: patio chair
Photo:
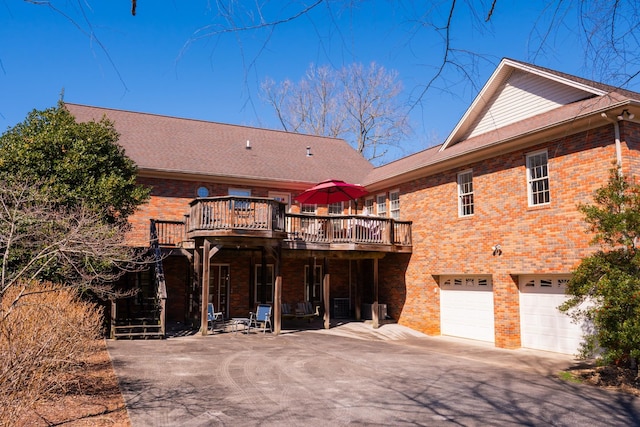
column 262, row 315
column 305, row 310
column 286, row 311
column 213, row 318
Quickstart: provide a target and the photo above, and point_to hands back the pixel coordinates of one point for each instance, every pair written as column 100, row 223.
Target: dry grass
column 49, row 360
column 96, row 400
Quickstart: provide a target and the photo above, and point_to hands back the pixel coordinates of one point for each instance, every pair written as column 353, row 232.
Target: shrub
column 45, row 330
column 609, row 279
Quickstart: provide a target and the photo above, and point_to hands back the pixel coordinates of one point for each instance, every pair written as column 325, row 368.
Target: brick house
column 476, row 237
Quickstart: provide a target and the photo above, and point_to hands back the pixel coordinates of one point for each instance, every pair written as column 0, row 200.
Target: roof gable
column 515, row 92
column 568, row 104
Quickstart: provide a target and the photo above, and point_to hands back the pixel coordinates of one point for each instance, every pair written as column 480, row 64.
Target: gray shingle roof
column 177, row 145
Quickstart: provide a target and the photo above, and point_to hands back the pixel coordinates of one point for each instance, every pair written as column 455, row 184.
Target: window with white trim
column 394, row 204
column 266, row 288
column 336, row 208
column 308, row 209
column 381, row 205
column 465, row 193
column 538, row 178
column 368, row 206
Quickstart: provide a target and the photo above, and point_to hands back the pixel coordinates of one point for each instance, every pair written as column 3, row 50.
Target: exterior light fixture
column 497, row 250
column 626, row 115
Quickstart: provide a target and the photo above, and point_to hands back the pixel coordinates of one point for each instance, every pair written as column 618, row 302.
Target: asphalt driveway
column 353, row 375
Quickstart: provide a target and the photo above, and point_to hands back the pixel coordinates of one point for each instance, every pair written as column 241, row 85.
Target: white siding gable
column 522, row 95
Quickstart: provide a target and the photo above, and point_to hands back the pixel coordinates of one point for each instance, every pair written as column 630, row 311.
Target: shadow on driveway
column 352, row 374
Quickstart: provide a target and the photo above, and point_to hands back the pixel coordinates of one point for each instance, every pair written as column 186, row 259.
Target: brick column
column 506, row 302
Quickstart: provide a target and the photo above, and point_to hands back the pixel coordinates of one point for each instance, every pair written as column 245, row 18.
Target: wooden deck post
column 326, row 282
column 326, row 294
column 358, row 293
column 195, row 283
column 163, row 316
column 207, row 253
column 374, row 307
column 277, row 306
column 204, row 324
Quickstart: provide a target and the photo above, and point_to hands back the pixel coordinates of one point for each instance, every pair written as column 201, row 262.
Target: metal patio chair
column 262, row 315
column 213, row 318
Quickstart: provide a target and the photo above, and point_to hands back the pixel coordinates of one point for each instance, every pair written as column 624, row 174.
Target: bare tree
column 359, row 104
column 71, row 246
column 607, row 32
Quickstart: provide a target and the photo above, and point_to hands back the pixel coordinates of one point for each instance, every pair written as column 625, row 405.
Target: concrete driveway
column 353, row 375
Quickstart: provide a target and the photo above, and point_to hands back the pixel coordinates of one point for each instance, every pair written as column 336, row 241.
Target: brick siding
column 535, row 240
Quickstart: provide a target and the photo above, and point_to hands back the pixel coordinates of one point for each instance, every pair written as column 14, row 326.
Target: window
column 466, row 283
column 202, row 191
column 264, row 291
column 368, row 206
column 336, row 208
column 313, row 288
column 394, row 204
column 239, row 192
column 239, row 204
column 538, row 178
column 308, row 209
column 465, row 193
column 381, row 204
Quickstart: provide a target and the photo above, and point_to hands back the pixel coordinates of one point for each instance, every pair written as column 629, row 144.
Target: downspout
column 616, row 132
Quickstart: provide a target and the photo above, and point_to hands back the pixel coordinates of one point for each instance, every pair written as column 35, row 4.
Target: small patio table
column 241, row 321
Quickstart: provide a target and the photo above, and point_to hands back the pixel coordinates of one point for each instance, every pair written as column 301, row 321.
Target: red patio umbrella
column 331, row 191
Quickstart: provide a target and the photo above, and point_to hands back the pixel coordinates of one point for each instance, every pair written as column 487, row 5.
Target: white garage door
column 542, row 325
column 466, row 307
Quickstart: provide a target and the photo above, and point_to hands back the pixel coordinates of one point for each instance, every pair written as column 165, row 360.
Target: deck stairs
column 150, row 317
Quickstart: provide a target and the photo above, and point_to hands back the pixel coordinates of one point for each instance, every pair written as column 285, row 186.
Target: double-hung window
column 308, row 209
column 336, row 208
column 368, row 206
column 465, row 193
column 394, row 204
column 538, row 178
column 381, row 204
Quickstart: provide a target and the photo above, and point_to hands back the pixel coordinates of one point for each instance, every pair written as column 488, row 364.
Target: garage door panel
column 543, row 326
column 467, row 311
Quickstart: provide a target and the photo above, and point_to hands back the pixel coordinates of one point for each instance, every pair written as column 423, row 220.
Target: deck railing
column 402, row 233
column 251, row 213
column 232, row 212
column 348, row 229
column 168, row 233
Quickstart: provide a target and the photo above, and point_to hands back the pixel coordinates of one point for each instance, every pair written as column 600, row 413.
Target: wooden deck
column 265, row 219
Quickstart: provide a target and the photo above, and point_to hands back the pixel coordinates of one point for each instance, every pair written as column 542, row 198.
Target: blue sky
column 164, row 60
